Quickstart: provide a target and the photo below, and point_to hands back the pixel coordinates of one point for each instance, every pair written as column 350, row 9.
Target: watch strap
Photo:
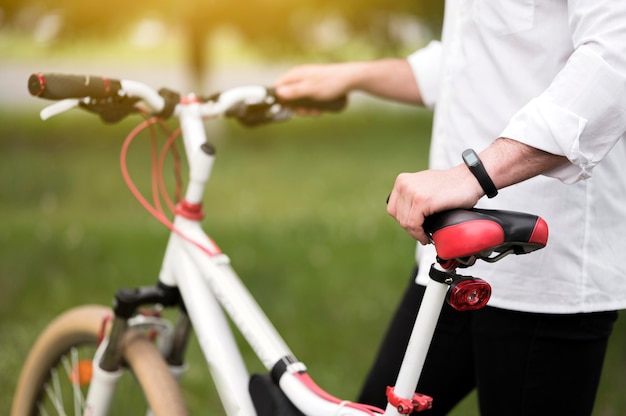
column 475, row 165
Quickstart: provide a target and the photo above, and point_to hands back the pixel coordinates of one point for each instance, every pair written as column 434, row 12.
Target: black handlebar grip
column 337, row 104
column 61, row 86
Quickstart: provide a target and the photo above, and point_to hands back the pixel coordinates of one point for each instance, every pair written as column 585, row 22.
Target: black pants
column 521, row 363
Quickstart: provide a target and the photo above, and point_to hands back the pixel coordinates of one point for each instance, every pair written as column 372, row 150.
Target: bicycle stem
column 200, row 154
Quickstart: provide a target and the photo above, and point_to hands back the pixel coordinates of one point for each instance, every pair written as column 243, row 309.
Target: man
column 538, row 89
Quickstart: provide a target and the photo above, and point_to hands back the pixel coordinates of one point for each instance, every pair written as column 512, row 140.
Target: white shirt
column 551, row 74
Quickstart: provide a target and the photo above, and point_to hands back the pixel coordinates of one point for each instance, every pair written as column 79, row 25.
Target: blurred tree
column 277, row 27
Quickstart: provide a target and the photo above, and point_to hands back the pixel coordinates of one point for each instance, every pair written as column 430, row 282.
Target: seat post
column 421, row 336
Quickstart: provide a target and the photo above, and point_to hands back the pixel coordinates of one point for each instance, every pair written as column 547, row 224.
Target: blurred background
column 299, row 206
column 205, row 43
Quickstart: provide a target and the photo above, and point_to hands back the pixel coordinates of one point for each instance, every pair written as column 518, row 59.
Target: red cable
column 129, row 182
column 154, row 171
column 169, row 146
column 156, row 212
column 159, row 190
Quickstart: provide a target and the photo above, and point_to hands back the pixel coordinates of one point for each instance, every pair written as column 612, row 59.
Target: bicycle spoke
column 71, row 363
column 76, row 382
column 54, row 396
column 42, row 410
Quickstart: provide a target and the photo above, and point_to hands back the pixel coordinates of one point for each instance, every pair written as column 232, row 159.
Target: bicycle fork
column 108, row 363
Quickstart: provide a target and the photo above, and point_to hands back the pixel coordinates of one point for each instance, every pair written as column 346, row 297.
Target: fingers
column 323, row 82
column 415, row 196
column 290, row 88
column 299, row 82
column 406, row 208
column 290, row 91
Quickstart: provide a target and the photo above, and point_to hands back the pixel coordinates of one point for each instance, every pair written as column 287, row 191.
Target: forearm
column 391, row 79
column 418, row 195
column 387, row 78
column 509, row 161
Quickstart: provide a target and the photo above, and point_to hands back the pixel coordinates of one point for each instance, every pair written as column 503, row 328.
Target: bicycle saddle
column 468, row 234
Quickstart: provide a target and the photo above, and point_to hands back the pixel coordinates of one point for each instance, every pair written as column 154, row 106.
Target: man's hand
column 418, row 195
column 323, row 82
column 391, row 79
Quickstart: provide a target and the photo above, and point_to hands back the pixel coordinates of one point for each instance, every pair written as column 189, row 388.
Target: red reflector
column 469, row 294
column 81, row 373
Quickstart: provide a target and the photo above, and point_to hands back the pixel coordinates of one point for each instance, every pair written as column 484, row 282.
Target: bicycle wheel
column 62, row 353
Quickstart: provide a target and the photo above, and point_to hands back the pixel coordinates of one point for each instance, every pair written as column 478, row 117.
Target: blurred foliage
column 277, row 27
column 298, row 206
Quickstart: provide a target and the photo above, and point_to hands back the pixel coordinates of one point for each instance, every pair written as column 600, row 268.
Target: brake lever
column 108, row 110
column 255, row 114
column 58, row 108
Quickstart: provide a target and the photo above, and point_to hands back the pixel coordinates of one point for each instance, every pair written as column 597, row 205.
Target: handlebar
column 459, row 235
column 115, row 99
column 62, row 86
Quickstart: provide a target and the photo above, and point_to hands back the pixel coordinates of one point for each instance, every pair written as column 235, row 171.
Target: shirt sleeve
column 426, row 66
column 582, row 114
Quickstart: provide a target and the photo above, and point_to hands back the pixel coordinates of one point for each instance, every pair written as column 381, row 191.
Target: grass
column 299, row 207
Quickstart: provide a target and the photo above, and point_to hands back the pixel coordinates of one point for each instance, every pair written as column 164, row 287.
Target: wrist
column 476, row 167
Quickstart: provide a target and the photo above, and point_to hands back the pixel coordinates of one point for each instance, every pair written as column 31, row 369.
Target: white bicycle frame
column 211, row 290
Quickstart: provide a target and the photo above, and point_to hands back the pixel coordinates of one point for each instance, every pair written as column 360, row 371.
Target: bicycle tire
column 79, row 328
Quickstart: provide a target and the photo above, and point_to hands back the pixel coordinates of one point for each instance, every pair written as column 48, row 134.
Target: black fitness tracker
column 475, row 166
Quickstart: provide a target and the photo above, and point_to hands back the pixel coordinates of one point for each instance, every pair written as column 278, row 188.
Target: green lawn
column 298, row 206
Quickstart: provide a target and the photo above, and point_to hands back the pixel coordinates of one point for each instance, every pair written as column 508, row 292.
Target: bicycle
column 83, row 356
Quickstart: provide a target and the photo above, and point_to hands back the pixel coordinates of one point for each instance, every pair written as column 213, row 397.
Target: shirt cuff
column 548, row 127
column 426, row 66
column 581, row 115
